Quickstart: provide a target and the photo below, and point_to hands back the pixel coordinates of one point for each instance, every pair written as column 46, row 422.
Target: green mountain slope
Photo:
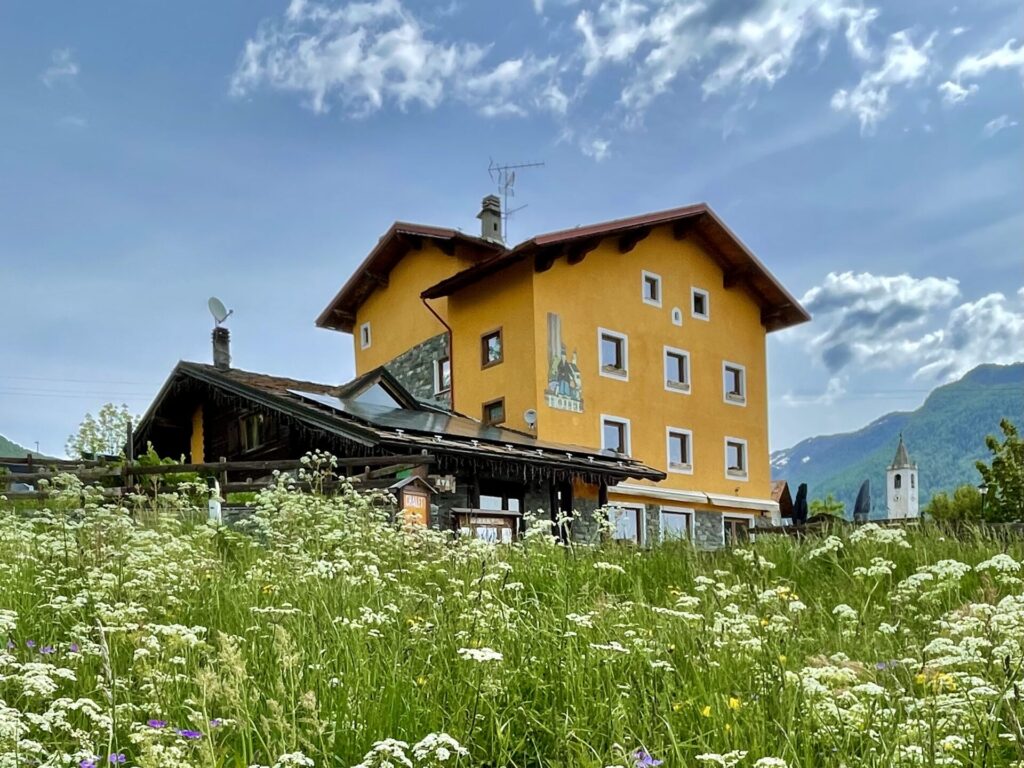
column 945, row 436
column 8, row 448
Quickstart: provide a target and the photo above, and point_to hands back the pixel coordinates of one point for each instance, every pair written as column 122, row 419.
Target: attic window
column 701, row 304
column 491, row 349
column 364, row 336
column 651, row 287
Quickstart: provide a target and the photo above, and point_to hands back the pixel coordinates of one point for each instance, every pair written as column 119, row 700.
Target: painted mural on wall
column 565, row 384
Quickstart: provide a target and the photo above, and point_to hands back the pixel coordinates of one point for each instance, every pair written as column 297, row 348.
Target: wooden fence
column 119, row 478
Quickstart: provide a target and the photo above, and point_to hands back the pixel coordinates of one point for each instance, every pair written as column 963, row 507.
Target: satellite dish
column 217, row 309
column 530, row 417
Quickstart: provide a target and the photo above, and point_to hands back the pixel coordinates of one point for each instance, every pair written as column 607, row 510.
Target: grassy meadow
column 323, row 635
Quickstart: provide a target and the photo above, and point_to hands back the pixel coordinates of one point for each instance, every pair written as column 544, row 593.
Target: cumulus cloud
column 976, row 65
column 63, row 68
column 362, row 56
column 596, row 148
column 660, row 40
column 1001, row 123
column 903, row 63
column 954, row 93
column 865, row 321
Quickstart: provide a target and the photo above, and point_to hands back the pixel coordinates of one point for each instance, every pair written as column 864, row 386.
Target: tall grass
column 145, row 635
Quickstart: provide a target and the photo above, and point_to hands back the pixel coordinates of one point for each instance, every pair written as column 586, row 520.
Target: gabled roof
column 400, row 238
column 339, row 411
column 779, row 309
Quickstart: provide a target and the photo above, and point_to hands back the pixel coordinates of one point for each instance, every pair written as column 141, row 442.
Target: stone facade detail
column 707, row 530
column 414, row 369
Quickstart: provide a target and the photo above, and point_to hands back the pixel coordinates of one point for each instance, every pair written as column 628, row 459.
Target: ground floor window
column 629, row 523
column 737, row 529
column 493, row 528
column 676, row 524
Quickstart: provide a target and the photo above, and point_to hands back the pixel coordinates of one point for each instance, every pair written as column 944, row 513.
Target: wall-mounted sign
column 415, row 507
column 565, row 383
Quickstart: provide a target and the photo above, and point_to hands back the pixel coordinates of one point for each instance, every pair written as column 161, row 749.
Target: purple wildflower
column 88, row 762
column 74, row 648
column 10, row 644
column 31, row 644
column 46, row 649
column 116, row 757
column 642, row 759
column 216, row 722
column 156, row 723
column 188, row 733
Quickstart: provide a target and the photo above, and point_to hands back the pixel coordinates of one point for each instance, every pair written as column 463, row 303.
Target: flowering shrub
column 318, row 633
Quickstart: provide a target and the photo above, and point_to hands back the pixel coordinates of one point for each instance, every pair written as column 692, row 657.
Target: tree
column 106, row 433
column 1004, row 476
column 963, row 505
column 830, row 505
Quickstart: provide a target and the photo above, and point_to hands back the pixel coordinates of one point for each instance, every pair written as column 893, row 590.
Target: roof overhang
column 401, row 238
column 698, row 223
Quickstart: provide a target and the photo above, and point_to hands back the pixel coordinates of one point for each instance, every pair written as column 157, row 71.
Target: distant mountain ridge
column 945, row 436
column 10, row 448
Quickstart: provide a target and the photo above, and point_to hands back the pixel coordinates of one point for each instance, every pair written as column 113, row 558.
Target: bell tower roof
column 902, row 458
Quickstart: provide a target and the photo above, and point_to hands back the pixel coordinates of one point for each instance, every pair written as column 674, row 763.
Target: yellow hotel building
column 643, row 336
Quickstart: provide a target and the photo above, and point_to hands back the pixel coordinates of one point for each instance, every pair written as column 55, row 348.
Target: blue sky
column 153, row 155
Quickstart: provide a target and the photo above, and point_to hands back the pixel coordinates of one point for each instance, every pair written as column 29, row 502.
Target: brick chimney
column 490, row 219
column 221, row 348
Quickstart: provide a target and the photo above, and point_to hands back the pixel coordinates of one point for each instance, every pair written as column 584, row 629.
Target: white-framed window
column 677, row 316
column 734, row 383
column 676, row 524
column 679, row 450
column 650, row 286
column 615, row 434
column 442, row 375
column 737, row 527
column 629, row 522
column 613, row 354
column 736, row 458
column 700, row 304
column 364, row 336
column 677, row 370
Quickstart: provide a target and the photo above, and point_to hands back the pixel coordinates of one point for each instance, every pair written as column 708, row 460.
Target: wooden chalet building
column 480, row 477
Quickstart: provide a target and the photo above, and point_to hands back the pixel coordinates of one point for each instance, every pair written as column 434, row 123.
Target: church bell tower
column 901, row 485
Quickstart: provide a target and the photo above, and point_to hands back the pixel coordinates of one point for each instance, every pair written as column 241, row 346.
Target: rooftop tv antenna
column 504, row 175
column 218, row 310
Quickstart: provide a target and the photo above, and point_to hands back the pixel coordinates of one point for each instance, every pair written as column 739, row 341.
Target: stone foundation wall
column 414, row 369
column 707, row 530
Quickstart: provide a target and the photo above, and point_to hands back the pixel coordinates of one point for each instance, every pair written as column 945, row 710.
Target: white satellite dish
column 218, row 310
column 530, row 417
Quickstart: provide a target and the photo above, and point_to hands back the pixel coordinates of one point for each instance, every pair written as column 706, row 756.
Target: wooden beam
column 447, row 247
column 413, row 241
column 733, row 277
column 682, row 228
column 545, row 259
column 629, row 240
column 379, row 279
column 574, row 254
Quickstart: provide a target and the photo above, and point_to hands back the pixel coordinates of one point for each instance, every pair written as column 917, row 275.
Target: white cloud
column 879, row 322
column 902, row 64
column 954, row 93
column 660, row 40
column 63, row 68
column 976, row 65
column 597, row 148
column 364, row 55
column 957, row 31
column 834, row 391
column 992, row 127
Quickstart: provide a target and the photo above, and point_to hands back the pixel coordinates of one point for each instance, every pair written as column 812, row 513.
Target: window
column 676, row 524
column 677, row 370
column 735, row 458
column 614, row 354
column 442, row 375
column 364, row 336
column 680, row 450
column 677, row 316
column 701, row 304
column 651, row 287
column 734, row 383
column 615, row 435
column 898, row 481
column 491, row 349
column 494, row 412
column 735, row 529
column 911, row 481
column 253, row 431
column 628, row 522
